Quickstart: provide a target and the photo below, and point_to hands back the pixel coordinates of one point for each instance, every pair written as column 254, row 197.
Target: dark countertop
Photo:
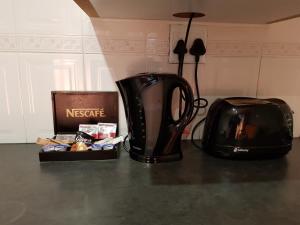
column 198, row 190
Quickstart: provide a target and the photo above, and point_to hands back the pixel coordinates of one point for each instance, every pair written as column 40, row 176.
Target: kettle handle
column 189, row 102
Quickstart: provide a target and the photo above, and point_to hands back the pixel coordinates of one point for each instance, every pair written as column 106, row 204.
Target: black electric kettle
column 154, row 135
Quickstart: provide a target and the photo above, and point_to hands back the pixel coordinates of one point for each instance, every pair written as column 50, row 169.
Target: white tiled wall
column 280, row 70
column 52, row 45
column 55, row 17
column 40, row 74
column 280, row 77
column 12, row 127
column 41, row 49
column 232, row 59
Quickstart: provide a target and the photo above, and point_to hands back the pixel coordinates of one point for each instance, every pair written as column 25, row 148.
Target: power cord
column 193, row 132
column 180, row 50
column 198, row 49
column 124, row 144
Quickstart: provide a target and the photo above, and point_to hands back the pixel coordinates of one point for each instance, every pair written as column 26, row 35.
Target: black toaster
column 247, row 128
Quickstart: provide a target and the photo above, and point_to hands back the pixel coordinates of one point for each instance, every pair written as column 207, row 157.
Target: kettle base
column 155, row 159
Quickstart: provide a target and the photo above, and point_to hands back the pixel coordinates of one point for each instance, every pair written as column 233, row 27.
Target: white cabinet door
column 41, row 74
column 12, row 128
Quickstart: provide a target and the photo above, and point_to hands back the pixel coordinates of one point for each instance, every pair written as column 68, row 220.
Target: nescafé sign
column 96, row 112
column 73, row 108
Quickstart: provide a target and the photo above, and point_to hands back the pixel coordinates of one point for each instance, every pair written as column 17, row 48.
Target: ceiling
column 224, row 11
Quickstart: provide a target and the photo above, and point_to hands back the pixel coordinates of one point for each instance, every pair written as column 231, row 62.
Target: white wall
column 280, row 66
column 51, row 45
column 232, row 59
column 242, row 60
